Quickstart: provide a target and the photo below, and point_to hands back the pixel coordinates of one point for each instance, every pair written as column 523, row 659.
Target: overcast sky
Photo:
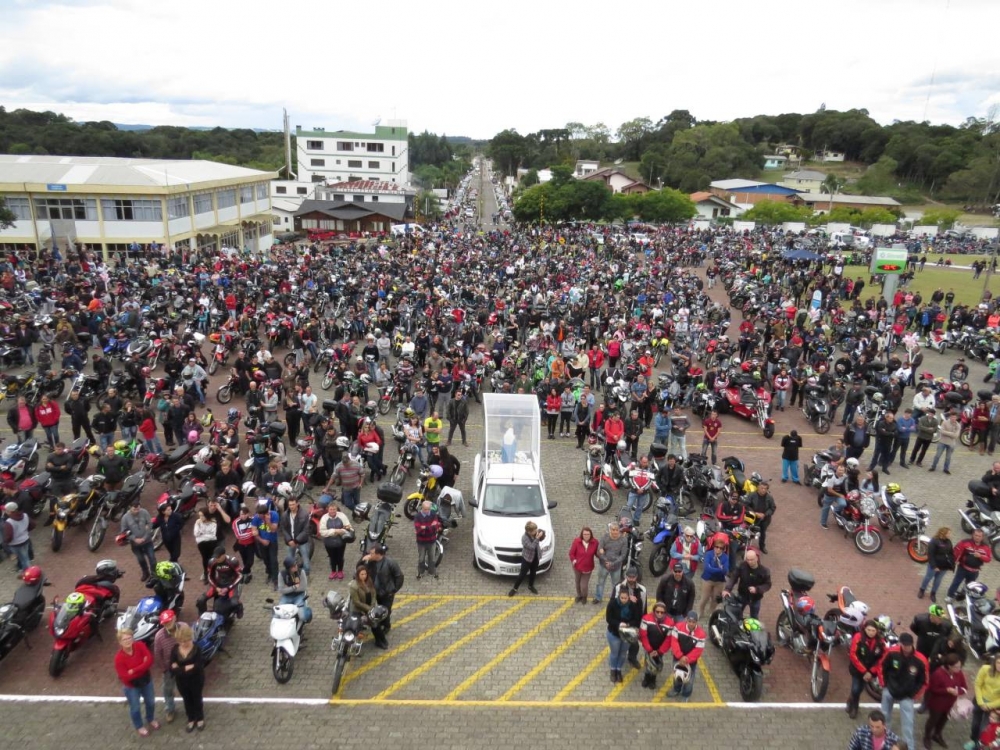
column 475, row 68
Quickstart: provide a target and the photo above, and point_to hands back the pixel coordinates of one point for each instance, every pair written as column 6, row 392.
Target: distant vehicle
column 398, row 230
column 288, row 236
column 321, row 235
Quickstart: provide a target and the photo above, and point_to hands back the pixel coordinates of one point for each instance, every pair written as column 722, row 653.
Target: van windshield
column 513, row 500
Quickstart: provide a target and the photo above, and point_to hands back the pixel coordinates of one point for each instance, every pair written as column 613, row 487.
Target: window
column 203, row 203
column 317, row 178
column 79, row 209
column 394, row 166
column 301, row 191
column 338, row 162
column 354, row 164
column 374, row 199
column 345, row 146
column 338, row 196
column 393, row 150
column 246, row 194
column 281, row 190
column 376, row 148
column 358, row 199
column 178, row 207
column 373, row 165
column 261, row 191
column 20, row 207
column 314, row 145
column 226, row 198
column 317, row 162
column 126, row 209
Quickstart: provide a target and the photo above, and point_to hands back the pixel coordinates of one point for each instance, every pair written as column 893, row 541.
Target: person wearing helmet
column 867, row 650
column 687, row 646
column 163, row 644
column 621, row 613
column 751, row 580
column 224, row 576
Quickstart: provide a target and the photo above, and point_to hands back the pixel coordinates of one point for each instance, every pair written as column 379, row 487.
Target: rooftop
column 735, row 184
column 869, row 200
column 369, row 186
column 350, row 211
column 394, row 130
column 806, row 174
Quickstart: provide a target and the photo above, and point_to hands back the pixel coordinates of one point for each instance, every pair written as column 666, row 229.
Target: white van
column 508, row 489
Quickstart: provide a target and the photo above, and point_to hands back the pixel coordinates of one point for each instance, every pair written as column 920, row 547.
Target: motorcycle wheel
column 157, row 539
column 398, row 475
column 822, row 425
column 56, row 389
column 874, row 689
column 684, row 503
column 659, row 561
column 918, row 551
column 967, row 527
column 57, row 662
column 338, row 673
column 326, row 382
column 283, row 666
column 224, row 394
column 714, row 633
column 648, row 502
column 884, row 519
column 600, row 500
column 996, row 548
column 82, row 471
column 968, row 437
column 39, row 505
column 213, row 366
column 751, row 685
column 438, row 555
column 769, row 431
column 410, row 509
column 97, row 531
column 868, row 542
column 384, row 405
column 819, row 681
column 783, row 629
column 57, row 540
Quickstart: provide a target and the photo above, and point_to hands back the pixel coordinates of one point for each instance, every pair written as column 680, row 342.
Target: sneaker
column 512, row 592
column 949, row 600
column 886, row 471
column 532, row 589
column 934, row 597
column 824, row 526
column 920, row 594
column 340, row 575
column 333, row 575
column 419, row 576
column 947, row 472
column 932, row 469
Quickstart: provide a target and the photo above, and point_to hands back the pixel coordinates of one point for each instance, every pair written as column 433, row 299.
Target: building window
column 317, row 162
column 394, row 166
column 226, row 198
column 73, row 209
column 374, row 199
column 359, row 199
column 376, row 148
column 345, row 146
column 178, row 207
column 126, row 209
column 203, row 203
column 301, row 191
column 317, row 178
column 355, row 164
column 393, row 150
column 314, row 145
column 20, row 207
column 373, row 165
column 246, row 194
column 338, row 162
column 262, row 191
column 338, row 196
column 280, row 189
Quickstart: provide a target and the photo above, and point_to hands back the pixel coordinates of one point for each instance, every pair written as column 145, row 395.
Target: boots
column 652, row 682
column 645, row 679
column 852, row 707
column 614, row 675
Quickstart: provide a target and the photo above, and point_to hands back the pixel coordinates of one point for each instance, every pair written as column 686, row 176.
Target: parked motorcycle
column 161, row 466
column 111, row 506
column 704, row 486
column 287, row 624
column 143, row 619
column 905, row 520
column 209, row 632
column 384, row 517
column 850, row 614
column 23, row 613
column 804, row 633
column 350, row 631
column 975, row 620
column 614, row 474
column 744, row 642
column 80, row 615
column 817, row 410
column 76, row 508
column 856, row 519
column 663, row 531
column 404, row 463
column 979, row 514
column 751, row 402
column 19, row 460
column 428, row 487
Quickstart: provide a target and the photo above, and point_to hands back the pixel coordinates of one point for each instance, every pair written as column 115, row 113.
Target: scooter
column 287, row 623
column 79, row 617
column 23, row 612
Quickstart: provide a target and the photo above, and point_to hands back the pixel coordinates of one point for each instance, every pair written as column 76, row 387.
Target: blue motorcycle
column 210, row 634
column 663, row 532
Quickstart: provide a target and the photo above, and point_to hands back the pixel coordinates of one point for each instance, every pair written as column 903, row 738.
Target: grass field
column 967, row 291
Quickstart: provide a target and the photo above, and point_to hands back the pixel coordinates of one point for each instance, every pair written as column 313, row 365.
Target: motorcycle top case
column 800, row 580
column 389, row 492
column 659, row 450
column 277, row 429
column 953, row 397
column 329, row 405
column 202, row 472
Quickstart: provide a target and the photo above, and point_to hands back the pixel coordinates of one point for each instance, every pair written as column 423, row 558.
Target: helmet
column 853, row 496
column 284, row 490
column 32, row 575
column 664, row 505
column 622, row 445
column 75, row 601
column 343, row 443
column 936, row 610
column 883, row 623
column 854, row 614
column 361, row 512
column 409, row 413
column 146, row 372
column 625, row 523
column 334, row 601
column 682, row 674
column 232, row 415
column 878, row 398
column 167, row 617
column 121, row 445
column 166, row 570
column 249, row 489
column 812, row 382
column 756, row 478
column 752, row 625
column 359, row 358
column 654, row 662
column 378, row 613
column 976, row 590
column 805, row 606
column 898, row 498
column 107, row 568
column 701, row 387
column 892, row 488
column 628, row 634
column 370, row 408
column 122, row 539
column 853, row 463
column 163, row 501
column 192, row 437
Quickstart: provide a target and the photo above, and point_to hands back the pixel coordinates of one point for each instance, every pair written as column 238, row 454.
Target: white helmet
column 284, row 490
column 343, row 442
column 853, row 463
column 854, row 615
column 249, row 488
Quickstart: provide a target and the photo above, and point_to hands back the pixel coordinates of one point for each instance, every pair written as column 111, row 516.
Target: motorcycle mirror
column 269, row 601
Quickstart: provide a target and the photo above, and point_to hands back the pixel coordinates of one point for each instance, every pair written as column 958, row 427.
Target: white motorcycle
column 287, row 623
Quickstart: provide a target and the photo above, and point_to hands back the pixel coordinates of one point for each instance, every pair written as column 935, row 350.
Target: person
column 715, row 569
column 582, row 553
column 886, row 431
column 970, row 556
column 113, row 467
column 47, row 415
column 904, row 676
column 686, row 550
column 582, row 417
column 205, row 537
column 947, row 684
column 614, row 430
column 620, row 612
column 171, row 526
column 711, row 428
column 906, row 425
column 138, row 525
column 246, row 544
column 762, row 504
column 637, row 594
column 21, row 419
column 834, row 495
column 856, row 438
column 363, row 598
column 865, row 655
column 163, row 643
column 188, row 667
column 790, row 445
column 133, row 663
column 751, row 581
column 531, row 553
column 224, row 576
column 990, row 735
column 930, row 627
column 940, row 560
column 875, row 731
column 927, row 426
column 16, row 538
column 387, row 577
column 611, row 552
column 687, row 647
column 265, row 533
column 296, row 529
column 334, row 529
column 350, row 475
column 950, row 429
column 640, row 485
column 370, row 441
column 676, row 591
column 552, row 405
column 656, row 636
column 294, row 585
column 457, row 413
column 105, row 424
column 679, row 424
column 987, row 697
column 427, row 525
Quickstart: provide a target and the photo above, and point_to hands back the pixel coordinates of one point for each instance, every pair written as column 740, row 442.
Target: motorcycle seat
column 979, row 489
column 177, row 454
column 131, row 483
column 25, row 596
column 41, row 479
column 78, row 444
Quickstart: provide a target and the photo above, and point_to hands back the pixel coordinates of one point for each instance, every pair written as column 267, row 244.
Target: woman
column 531, row 552
column 414, row 435
column 133, row 663
column 946, row 684
column 371, row 443
column 940, row 560
column 205, row 536
column 582, row 552
column 715, row 568
column 293, row 413
column 981, row 425
column 566, row 405
column 128, row 421
column 231, row 441
column 620, row 612
column 171, row 525
column 147, row 428
column 870, row 482
column 334, row 527
column 552, row 405
column 362, row 593
column 188, row 666
column 987, row 695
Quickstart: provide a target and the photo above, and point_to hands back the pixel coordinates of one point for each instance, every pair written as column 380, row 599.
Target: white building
column 346, row 156
column 585, row 167
column 109, row 203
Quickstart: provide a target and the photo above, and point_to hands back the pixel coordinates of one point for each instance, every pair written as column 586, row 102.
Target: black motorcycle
column 817, row 410
column 21, row 615
column 381, row 521
column 745, row 643
column 350, row 631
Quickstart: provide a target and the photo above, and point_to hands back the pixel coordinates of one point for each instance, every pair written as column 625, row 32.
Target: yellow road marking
column 432, row 702
column 617, row 689
column 452, row 649
column 419, row 612
column 488, row 597
column 553, row 655
column 572, row 684
column 475, row 677
column 406, row 645
column 710, row 684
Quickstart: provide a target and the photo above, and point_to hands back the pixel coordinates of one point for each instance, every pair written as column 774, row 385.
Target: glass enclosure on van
column 512, row 432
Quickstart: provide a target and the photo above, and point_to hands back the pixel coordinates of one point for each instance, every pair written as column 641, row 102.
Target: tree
column 665, row 206
column 832, row 184
column 943, row 218
column 7, row 217
column 508, row 150
column 632, row 135
column 775, row 212
column 428, row 206
column 531, row 178
column 561, row 174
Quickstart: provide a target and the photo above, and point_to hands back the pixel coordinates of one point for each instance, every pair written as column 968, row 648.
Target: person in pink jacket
column 582, row 553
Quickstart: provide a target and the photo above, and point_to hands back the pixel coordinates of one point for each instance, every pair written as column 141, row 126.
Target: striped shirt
column 349, row 475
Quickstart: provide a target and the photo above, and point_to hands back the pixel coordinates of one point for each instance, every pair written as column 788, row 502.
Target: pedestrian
column 47, row 415
column 904, row 676
column 687, row 647
column 567, row 402
column 686, row 550
column 751, row 581
column 620, row 613
column 790, row 445
column 188, row 665
column 79, row 412
column 970, row 556
column 762, row 504
column 856, row 438
column 582, row 553
column 350, row 475
column 865, row 655
column 947, row 684
column 711, row 428
column 834, row 495
column 987, row 695
column 163, row 645
column 715, row 569
column 950, row 429
column 138, row 525
column 553, row 403
column 927, row 426
column 611, row 551
column 531, row 552
column 147, row 430
column 21, row 419
column 364, row 598
column 246, row 544
column 940, row 560
column 205, row 537
column 676, row 591
column 133, row 663
column 875, row 731
column 105, row 424
column 387, row 577
column 427, row 525
column 336, row 532
column 265, row 533
column 581, row 417
column 886, row 431
column 457, row 412
column 296, row 529
column 656, row 636
column 171, row 526
column 679, row 424
column 930, row 628
column 16, row 538
column 905, row 427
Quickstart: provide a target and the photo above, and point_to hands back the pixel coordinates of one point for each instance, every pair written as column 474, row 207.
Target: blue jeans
column 148, row 695
column 962, row 576
column 635, row 502
column 947, row 450
column 688, row 686
column 127, row 433
column 298, row 600
column 678, row 446
column 619, row 652
column 350, row 498
column 936, row 575
column 304, row 550
column 106, row 439
column 153, row 445
column 905, row 715
column 23, row 554
column 790, row 467
column 602, row 578
column 830, row 501
column 52, row 434
column 196, row 384
column 168, row 686
column 146, row 556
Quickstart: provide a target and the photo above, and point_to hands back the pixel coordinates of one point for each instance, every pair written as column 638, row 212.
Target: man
column 950, row 430
column 138, row 525
column 433, row 426
column 854, row 398
column 762, row 504
column 457, row 413
column 790, row 445
column 886, row 431
column 387, row 577
column 193, row 375
column 633, row 431
column 105, row 424
column 427, row 525
column 751, row 581
column 79, row 412
column 927, row 425
column 923, row 401
column 295, row 528
column 611, row 551
column 655, row 632
column 265, row 534
column 224, row 575
column 688, row 645
column 294, row 586
column 930, row 627
column 970, row 556
column 676, row 591
column 16, row 528
column 865, row 736
column 904, row 675
column 245, row 545
column 350, row 475
column 711, row 428
column 113, row 467
column 614, row 430
column 856, row 438
column 637, row 596
column 163, row 645
column 671, row 477
column 640, row 484
column 22, row 420
column 679, row 424
column 866, row 652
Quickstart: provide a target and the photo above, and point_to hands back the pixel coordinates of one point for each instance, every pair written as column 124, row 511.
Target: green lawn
column 967, row 291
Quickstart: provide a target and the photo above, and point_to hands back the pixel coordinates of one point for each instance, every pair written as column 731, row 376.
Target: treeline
column 436, row 161
column 960, row 163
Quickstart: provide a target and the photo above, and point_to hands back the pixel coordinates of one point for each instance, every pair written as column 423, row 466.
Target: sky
column 475, row 68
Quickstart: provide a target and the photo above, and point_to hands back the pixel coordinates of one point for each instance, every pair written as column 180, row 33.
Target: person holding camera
column 531, row 552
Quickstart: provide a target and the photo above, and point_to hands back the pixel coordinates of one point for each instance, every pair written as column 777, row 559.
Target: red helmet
column 745, row 367
column 163, row 501
column 146, row 372
column 805, row 606
column 32, row 575
column 167, row 617
column 122, row 539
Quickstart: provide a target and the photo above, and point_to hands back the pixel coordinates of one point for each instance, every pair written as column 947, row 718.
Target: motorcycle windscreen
column 64, row 617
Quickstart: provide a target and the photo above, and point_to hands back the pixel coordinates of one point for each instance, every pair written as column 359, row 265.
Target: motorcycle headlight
column 755, row 656
column 349, row 636
column 59, row 631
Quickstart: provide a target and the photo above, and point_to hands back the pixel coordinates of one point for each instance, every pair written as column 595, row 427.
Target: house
column 585, row 167
column 617, row 181
column 744, row 193
column 794, row 153
column 805, row 181
column 283, row 210
column 349, row 218
column 711, row 206
column 343, row 155
column 821, row 203
column 775, row 161
column 367, row 192
column 826, row 155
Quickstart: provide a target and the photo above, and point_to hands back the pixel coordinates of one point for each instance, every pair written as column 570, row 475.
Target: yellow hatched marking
column 617, row 689
column 575, row 682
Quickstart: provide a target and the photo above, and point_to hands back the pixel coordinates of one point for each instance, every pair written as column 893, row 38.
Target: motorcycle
column 350, row 632
column 76, row 508
column 19, row 460
column 287, row 624
column 428, row 487
column 856, row 521
column 614, row 474
column 38, row 488
column 800, row 630
column 405, row 461
column 232, row 386
column 88, row 386
column 23, row 613
column 817, row 410
column 161, row 466
column 849, row 614
column 380, row 522
column 223, row 343
column 979, row 514
column 663, row 531
column 111, row 507
column 209, row 632
column 80, row 615
column 820, row 468
column 751, row 402
column 908, row 522
column 183, row 502
column 976, row 621
column 744, row 642
column 595, row 463
column 143, row 619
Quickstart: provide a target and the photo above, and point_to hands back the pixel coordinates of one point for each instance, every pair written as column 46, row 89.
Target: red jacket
column 656, row 637
column 48, row 415
column 695, row 552
column 553, row 404
column 688, row 641
column 140, row 662
column 582, row 555
column 866, row 654
column 614, row 430
column 595, row 357
column 964, row 554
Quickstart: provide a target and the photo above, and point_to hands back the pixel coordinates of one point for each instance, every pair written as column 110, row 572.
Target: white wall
column 985, row 233
column 204, row 220
column 928, row 231
column 227, row 214
column 180, row 226
column 700, row 224
column 740, row 226
column 132, row 229
column 883, row 230
column 793, row 226
column 21, row 229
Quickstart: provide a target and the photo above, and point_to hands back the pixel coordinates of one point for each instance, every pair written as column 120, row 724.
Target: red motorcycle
column 751, row 402
column 307, row 465
column 155, row 387
column 223, row 345
column 73, row 622
column 161, row 466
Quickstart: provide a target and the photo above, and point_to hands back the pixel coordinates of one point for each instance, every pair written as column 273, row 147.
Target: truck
column 508, row 487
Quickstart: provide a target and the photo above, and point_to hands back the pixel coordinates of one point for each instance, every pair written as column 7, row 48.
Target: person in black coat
column 79, row 413
column 940, row 560
column 856, row 438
